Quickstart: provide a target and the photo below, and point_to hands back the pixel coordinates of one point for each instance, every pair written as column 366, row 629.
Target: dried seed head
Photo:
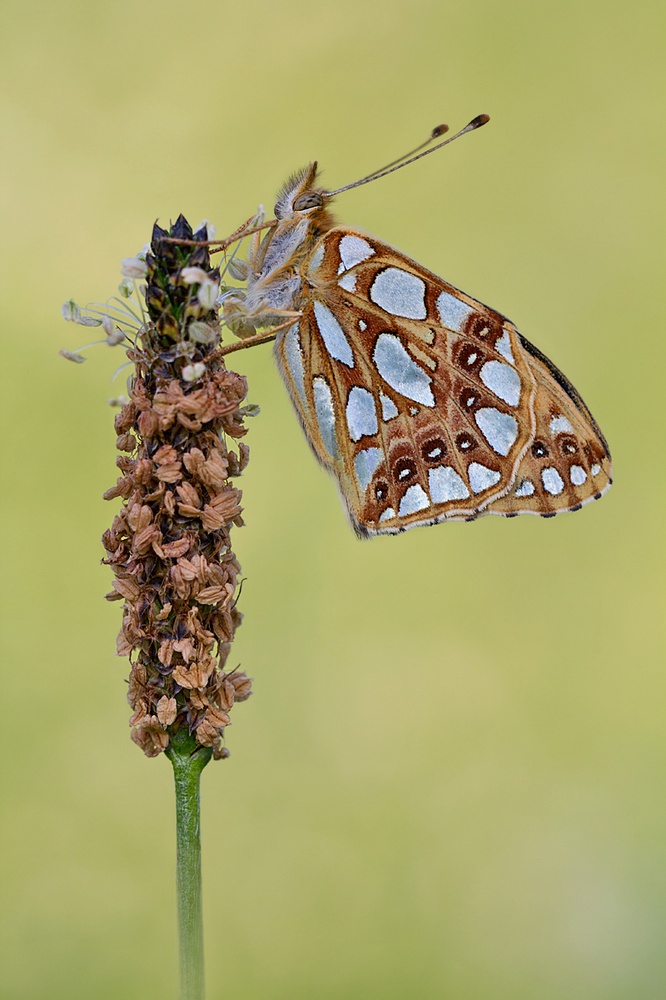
column 170, row 545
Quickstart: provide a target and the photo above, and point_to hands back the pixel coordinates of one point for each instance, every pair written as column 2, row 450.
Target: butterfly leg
column 242, row 232
column 259, row 338
column 219, row 245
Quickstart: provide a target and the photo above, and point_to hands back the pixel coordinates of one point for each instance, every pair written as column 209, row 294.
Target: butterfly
column 425, row 404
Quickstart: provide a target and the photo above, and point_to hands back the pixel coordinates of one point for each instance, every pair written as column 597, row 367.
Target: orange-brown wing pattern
column 423, row 402
column 568, row 463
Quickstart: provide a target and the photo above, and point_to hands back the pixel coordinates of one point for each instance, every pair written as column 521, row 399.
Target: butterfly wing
column 568, row 463
column 418, row 398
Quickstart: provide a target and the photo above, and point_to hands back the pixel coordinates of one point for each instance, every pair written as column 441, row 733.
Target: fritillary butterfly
column 425, row 404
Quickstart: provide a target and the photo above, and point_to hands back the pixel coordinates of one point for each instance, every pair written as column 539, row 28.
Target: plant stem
column 188, row 759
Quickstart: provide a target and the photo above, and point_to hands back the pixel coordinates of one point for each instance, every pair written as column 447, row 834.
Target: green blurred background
column 450, row 780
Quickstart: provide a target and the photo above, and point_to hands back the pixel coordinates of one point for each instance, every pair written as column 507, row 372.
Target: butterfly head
column 300, row 197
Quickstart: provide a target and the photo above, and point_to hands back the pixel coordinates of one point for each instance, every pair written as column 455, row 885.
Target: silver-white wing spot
column 352, row 251
column 499, row 429
column 366, row 464
column 316, row 259
column 333, row 335
column 552, row 481
column 389, row 409
column 445, row 484
column 348, row 282
column 503, row 347
column 387, row 514
column 399, row 293
column 323, row 402
column 415, row 498
column 502, row 380
column 578, row 475
column 526, row 489
column 595, row 470
column 560, row 425
column 400, row 371
column 481, row 477
column 361, row 413
column 452, row 311
column 293, row 355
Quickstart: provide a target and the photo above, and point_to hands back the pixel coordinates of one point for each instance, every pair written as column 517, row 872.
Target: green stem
column 188, row 759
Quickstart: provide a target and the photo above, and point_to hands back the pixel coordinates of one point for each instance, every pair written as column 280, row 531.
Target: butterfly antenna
column 435, row 134
column 403, row 161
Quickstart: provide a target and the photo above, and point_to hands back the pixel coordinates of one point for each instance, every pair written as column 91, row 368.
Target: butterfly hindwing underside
column 425, row 404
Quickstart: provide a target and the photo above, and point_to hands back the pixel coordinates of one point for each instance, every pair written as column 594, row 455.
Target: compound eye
column 311, row 199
